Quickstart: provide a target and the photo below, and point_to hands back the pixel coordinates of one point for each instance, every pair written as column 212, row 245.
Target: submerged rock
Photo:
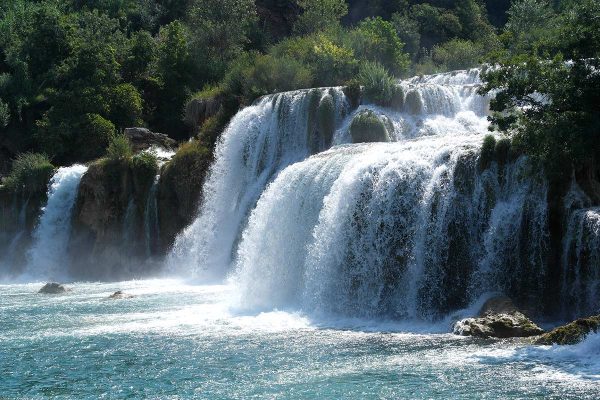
column 571, row 333
column 53, row 288
column 498, row 318
column 120, row 295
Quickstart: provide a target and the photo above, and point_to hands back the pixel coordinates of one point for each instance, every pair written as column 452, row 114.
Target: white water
column 151, row 222
column 260, row 141
column 413, row 229
column 48, row 256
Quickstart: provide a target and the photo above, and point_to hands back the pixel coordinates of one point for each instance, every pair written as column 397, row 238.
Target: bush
column 119, row 148
column 30, row 172
column 368, row 127
column 458, row 54
column 379, row 85
column 95, row 134
column 330, row 62
column 376, row 40
column 256, row 75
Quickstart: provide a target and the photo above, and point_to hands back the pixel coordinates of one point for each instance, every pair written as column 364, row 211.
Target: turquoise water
column 178, row 341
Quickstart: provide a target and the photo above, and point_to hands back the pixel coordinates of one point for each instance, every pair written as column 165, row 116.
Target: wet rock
column 143, row 138
column 368, row 127
column 53, row 288
column 571, row 333
column 120, row 295
column 498, row 318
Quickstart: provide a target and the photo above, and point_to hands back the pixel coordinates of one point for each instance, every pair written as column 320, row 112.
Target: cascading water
column 47, row 258
column 260, row 141
column 151, row 227
column 415, row 228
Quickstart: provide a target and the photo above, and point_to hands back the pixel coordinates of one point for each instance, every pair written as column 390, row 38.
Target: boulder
column 571, row 333
column 53, row 288
column 143, row 139
column 120, row 295
column 367, row 126
column 498, row 318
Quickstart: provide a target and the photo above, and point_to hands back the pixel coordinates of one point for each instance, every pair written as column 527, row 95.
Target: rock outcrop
column 53, row 288
column 571, row 333
column 498, row 318
column 143, row 139
column 120, row 295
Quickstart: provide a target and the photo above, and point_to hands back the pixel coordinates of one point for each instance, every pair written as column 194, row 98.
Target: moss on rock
column 326, row 118
column 180, row 189
column 368, row 127
column 571, row 333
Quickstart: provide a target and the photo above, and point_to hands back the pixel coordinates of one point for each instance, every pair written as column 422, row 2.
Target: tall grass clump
column 30, row 172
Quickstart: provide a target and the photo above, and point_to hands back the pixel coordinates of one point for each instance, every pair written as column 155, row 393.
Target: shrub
column 503, row 150
column 368, row 127
column 119, row 148
column 379, row 86
column 30, row 172
column 95, row 134
column 376, row 40
column 458, row 54
column 255, row 75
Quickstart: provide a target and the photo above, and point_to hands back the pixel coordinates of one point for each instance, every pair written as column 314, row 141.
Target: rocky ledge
column 498, row 318
column 571, row 333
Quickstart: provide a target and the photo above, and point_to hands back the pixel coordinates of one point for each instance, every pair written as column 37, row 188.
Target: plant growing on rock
column 379, row 86
column 30, row 172
column 119, row 148
column 368, row 127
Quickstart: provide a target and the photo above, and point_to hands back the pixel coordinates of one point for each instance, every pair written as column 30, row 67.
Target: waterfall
column 413, row 228
column 47, row 258
column 260, row 141
column 581, row 262
column 151, row 228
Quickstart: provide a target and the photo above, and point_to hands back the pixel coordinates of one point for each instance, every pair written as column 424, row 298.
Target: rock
column 120, row 295
column 367, row 126
column 53, row 288
column 571, row 333
column 498, row 318
column 143, row 139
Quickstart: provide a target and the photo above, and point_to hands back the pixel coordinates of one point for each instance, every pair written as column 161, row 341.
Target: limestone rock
column 571, row 333
column 498, row 318
column 53, row 288
column 143, row 138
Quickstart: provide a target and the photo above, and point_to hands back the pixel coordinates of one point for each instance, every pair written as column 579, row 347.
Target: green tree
column 319, row 15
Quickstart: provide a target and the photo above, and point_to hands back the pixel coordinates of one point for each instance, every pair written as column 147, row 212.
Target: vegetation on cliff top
column 73, row 73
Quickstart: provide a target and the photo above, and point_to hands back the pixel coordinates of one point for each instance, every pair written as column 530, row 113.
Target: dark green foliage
column 379, row 85
column 119, row 148
column 560, row 127
column 76, row 72
column 30, row 173
column 488, row 151
column 368, row 127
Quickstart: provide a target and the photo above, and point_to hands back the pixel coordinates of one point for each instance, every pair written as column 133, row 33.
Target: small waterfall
column 47, row 258
column 151, row 228
column 260, row 141
column 581, row 263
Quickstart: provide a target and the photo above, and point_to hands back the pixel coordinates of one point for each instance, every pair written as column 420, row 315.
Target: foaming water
column 48, row 257
column 260, row 141
column 174, row 340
